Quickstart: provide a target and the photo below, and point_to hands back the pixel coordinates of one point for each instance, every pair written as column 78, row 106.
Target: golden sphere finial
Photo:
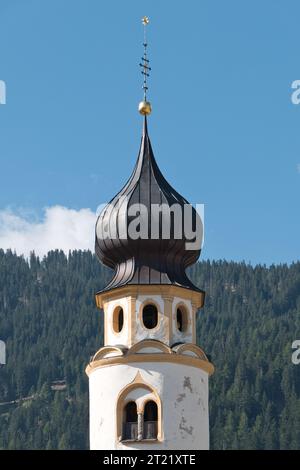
column 145, row 108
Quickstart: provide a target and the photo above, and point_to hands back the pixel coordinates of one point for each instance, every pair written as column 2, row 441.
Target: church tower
column 149, row 382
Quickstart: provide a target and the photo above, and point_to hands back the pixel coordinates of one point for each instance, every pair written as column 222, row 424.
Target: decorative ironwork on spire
column 145, row 106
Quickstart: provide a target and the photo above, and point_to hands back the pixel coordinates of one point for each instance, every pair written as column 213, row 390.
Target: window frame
column 144, row 303
column 123, row 400
column 115, row 321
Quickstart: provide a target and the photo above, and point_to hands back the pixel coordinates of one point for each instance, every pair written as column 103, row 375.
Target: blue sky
column 223, row 128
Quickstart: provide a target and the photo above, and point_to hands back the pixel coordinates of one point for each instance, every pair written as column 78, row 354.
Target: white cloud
column 60, row 228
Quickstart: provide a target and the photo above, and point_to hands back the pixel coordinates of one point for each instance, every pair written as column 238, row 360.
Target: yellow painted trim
column 114, row 321
column 126, row 297
column 170, row 358
column 109, row 328
column 131, row 319
column 160, row 315
column 106, row 349
column 144, row 403
column 194, row 326
column 143, row 442
column 106, row 321
column 187, row 313
column 138, row 382
column 193, row 348
column 149, row 343
column 168, row 303
column 167, row 290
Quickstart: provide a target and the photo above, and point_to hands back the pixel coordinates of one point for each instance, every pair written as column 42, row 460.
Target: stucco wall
column 113, row 338
column 133, row 321
column 178, row 336
column 183, row 391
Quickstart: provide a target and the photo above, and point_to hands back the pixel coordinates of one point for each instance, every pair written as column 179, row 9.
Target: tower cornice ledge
column 135, row 355
column 203, row 364
column 165, row 290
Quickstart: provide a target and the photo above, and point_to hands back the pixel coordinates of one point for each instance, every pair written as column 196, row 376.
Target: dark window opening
column 130, row 424
column 118, row 319
column 130, row 412
column 181, row 317
column 150, row 316
column 150, row 421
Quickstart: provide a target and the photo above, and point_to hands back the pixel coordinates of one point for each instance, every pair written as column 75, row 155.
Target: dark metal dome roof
column 151, row 258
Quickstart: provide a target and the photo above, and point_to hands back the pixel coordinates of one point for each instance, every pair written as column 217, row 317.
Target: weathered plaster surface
column 183, row 391
column 133, row 329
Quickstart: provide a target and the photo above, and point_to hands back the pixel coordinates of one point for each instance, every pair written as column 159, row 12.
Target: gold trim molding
column 174, row 358
column 167, row 290
column 138, row 382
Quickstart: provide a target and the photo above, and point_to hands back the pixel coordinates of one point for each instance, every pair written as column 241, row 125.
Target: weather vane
column 145, row 106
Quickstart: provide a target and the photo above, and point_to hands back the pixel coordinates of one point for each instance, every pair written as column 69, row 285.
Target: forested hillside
column 51, row 327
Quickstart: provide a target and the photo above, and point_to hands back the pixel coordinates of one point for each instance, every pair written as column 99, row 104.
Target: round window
column 118, row 319
column 150, row 316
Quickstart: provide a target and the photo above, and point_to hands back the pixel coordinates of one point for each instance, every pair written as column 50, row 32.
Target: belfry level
column 149, row 382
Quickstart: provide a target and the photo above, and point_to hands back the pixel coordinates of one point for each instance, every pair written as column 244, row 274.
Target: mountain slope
column 51, row 327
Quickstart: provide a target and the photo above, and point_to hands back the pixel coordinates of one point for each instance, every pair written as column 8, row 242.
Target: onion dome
column 148, row 233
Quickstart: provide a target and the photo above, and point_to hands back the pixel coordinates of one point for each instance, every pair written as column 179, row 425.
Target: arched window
column 118, row 319
column 139, row 412
column 150, row 316
column 182, row 319
column 130, row 432
column 150, row 420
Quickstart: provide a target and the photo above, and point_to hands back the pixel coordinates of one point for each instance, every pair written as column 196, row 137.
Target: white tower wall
column 138, row 364
column 183, row 392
